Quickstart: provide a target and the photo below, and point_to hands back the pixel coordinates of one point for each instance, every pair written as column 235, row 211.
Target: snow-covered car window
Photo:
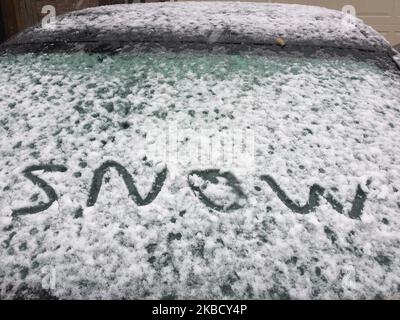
column 193, row 174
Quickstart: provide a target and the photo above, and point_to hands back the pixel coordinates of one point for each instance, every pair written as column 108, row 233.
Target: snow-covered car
column 200, row 150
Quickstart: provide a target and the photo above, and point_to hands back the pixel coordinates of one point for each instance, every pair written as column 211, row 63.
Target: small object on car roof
column 280, row 42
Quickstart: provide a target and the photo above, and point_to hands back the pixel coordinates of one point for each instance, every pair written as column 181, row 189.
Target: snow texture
column 219, row 22
column 192, row 228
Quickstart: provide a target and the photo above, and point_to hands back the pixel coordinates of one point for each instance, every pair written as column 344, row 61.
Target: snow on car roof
column 217, row 22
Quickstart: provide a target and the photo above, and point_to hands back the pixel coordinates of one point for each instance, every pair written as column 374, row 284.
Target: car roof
column 211, row 23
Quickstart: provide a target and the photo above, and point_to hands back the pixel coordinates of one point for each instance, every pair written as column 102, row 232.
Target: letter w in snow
column 316, row 192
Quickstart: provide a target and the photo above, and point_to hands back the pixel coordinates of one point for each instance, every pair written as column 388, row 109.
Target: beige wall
column 382, row 15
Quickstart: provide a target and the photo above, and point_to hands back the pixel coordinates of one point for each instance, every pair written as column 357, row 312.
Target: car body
column 200, row 150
